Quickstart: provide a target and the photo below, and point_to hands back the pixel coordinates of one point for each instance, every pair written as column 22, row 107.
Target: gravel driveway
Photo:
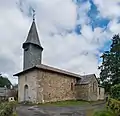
column 56, row 111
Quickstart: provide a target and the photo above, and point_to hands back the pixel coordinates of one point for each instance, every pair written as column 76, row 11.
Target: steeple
column 33, row 37
column 32, row 48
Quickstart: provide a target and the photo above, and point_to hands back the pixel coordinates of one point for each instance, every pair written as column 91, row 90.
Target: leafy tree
column 115, row 91
column 4, row 82
column 110, row 68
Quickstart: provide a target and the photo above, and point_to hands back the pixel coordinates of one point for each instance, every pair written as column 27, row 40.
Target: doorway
column 26, row 96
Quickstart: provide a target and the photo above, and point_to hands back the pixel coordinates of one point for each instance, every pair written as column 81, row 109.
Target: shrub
column 115, row 92
column 103, row 113
column 6, row 109
column 114, row 106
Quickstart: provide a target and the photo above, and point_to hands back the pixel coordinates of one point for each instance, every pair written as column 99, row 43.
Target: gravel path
column 56, row 111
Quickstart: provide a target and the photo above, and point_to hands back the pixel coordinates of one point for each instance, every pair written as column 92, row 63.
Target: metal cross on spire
column 33, row 14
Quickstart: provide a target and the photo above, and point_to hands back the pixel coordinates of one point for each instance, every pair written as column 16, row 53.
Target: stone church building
column 39, row 83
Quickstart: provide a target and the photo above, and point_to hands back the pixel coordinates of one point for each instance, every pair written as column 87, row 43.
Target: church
column 39, row 83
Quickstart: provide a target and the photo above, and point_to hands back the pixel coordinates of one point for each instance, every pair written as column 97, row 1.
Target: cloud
column 56, row 21
column 52, row 16
column 114, row 26
column 82, row 10
column 12, row 33
column 108, row 8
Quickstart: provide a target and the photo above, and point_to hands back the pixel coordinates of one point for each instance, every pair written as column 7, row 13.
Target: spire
column 33, row 37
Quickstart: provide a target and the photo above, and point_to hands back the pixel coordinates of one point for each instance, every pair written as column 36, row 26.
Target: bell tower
column 32, row 48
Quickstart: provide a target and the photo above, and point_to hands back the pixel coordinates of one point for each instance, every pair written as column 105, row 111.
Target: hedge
column 114, row 106
column 7, row 108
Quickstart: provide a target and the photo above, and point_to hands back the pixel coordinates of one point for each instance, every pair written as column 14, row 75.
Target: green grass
column 66, row 103
column 103, row 113
column 99, row 112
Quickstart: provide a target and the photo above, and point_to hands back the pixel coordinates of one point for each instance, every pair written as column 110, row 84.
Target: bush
column 114, row 106
column 115, row 92
column 103, row 113
column 6, row 109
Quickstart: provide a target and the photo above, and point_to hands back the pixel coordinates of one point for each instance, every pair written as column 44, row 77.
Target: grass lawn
column 104, row 113
column 71, row 103
column 67, row 103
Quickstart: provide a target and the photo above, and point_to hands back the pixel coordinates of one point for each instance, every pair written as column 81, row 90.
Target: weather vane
column 33, row 14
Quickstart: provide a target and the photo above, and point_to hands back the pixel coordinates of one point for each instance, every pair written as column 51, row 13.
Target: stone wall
column 47, row 86
column 93, row 90
column 55, row 87
column 88, row 91
column 29, row 78
column 82, row 92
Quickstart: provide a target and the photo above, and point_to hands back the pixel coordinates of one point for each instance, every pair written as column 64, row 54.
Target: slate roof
column 33, row 36
column 86, row 79
column 52, row 69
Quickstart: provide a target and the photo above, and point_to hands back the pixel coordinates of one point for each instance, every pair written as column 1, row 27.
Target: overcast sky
column 73, row 33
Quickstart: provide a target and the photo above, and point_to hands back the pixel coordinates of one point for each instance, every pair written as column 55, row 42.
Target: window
column 99, row 90
column 72, row 86
column 94, row 87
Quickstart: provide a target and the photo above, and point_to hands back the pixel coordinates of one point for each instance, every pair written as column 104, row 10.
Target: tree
column 110, row 68
column 115, row 91
column 4, row 82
